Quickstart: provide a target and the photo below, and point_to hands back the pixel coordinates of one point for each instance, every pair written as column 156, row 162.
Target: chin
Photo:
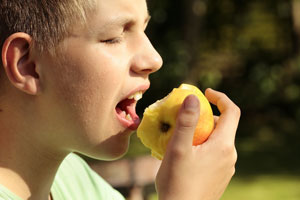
column 112, row 149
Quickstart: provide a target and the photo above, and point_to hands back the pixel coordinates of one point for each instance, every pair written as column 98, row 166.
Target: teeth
column 123, row 114
column 128, row 117
column 137, row 96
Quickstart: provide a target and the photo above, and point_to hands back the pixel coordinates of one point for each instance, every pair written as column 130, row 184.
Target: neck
column 27, row 168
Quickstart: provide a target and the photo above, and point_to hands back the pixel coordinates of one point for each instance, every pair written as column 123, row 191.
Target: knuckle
column 233, row 171
column 236, row 111
column 187, row 120
column 234, row 156
column 224, row 98
column 228, row 149
column 222, row 95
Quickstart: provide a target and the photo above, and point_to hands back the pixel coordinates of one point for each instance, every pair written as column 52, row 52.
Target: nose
column 146, row 59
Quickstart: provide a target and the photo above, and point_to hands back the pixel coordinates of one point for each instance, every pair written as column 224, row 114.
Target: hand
column 199, row 172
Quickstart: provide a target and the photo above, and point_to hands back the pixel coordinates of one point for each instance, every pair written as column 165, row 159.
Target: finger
column 230, row 113
column 186, row 122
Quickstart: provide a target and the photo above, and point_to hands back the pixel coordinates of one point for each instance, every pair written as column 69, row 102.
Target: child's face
column 98, row 69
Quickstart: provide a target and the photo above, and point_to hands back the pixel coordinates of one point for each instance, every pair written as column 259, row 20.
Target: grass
column 264, row 187
column 260, row 187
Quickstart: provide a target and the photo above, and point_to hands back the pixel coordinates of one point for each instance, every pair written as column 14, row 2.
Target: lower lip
column 132, row 125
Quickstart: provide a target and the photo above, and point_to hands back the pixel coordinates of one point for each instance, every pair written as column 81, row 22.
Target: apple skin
column 159, row 120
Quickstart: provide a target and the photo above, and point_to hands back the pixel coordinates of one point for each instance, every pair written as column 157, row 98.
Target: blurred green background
column 248, row 50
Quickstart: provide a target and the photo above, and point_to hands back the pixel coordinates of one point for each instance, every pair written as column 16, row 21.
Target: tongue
column 127, row 107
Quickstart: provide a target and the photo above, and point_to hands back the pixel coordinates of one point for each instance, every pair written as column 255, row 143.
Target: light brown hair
column 46, row 21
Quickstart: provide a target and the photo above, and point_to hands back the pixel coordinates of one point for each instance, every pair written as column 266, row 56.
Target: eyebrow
column 121, row 21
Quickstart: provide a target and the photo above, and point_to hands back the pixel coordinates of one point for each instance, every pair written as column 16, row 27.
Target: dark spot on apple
column 165, row 127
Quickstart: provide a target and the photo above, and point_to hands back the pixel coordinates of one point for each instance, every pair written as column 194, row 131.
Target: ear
column 18, row 63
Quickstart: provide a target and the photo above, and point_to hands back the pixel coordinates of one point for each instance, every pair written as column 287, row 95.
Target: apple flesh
column 159, row 120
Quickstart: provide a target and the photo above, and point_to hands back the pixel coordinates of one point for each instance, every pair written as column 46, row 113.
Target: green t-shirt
column 75, row 180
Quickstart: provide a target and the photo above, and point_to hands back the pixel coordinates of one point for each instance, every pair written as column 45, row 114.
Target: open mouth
column 126, row 112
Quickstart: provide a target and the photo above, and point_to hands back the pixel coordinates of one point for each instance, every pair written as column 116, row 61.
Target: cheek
column 83, row 93
column 85, row 88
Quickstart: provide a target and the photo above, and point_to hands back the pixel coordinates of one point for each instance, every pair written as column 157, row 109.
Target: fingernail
column 191, row 102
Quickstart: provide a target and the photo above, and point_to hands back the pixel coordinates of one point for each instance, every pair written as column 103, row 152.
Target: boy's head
column 83, row 97
column 46, row 21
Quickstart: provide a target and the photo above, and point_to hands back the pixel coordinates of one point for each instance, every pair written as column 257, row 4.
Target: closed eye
column 112, row 41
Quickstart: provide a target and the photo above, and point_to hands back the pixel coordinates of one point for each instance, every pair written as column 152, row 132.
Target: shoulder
column 76, row 180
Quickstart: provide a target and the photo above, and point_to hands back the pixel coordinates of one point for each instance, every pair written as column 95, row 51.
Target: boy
column 67, row 67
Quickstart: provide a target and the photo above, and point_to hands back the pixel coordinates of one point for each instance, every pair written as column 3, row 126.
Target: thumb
column 186, row 122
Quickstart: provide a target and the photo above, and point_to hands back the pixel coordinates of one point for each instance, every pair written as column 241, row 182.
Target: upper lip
column 141, row 88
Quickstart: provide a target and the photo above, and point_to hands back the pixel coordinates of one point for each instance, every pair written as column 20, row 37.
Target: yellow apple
column 159, row 120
